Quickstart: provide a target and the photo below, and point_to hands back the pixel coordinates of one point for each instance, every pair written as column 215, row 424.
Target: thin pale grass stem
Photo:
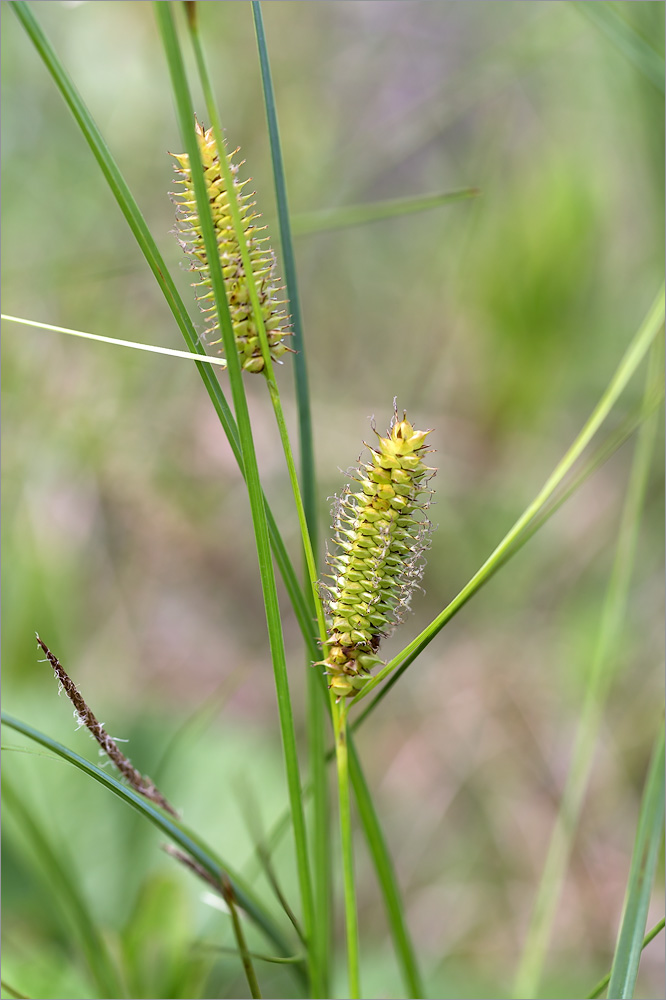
column 599, row 679
column 625, row 370
column 187, row 355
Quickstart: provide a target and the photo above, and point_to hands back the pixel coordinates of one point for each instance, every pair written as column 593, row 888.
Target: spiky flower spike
column 261, row 255
column 381, row 533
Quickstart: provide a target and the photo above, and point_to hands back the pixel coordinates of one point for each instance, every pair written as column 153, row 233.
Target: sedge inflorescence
column 381, row 533
column 261, row 256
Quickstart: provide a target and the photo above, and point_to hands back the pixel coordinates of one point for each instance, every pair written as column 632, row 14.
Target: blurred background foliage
column 127, row 536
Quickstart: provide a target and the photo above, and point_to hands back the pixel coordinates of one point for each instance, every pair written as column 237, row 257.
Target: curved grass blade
column 185, row 113
column 603, row 983
column 599, row 679
column 626, row 40
column 325, row 220
column 632, row 358
column 171, row 828
column 601, row 455
column 69, row 898
column 149, row 248
column 641, row 877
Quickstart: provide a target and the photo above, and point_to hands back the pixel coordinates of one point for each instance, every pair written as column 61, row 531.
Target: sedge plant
column 345, row 608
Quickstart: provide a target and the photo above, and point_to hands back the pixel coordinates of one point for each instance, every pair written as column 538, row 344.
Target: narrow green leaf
column 185, row 112
column 641, row 878
column 625, row 39
column 632, row 358
column 306, row 223
column 67, row 894
column 171, row 828
column 381, row 858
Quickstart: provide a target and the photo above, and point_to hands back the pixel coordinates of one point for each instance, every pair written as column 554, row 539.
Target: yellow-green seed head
column 262, row 257
column 381, row 533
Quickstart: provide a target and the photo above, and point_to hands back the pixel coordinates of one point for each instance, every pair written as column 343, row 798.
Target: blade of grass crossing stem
column 149, row 248
column 171, row 828
column 632, row 358
column 650, row 936
column 359, row 215
column 66, row 892
column 599, row 678
column 185, row 113
column 641, row 877
column 321, row 826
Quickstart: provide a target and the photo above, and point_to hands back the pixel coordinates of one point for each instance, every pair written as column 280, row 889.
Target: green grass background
column 127, row 537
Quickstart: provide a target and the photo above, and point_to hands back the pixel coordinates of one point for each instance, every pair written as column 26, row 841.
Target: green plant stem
column 316, row 707
column 342, row 758
column 273, row 620
column 241, row 943
column 599, row 678
column 631, row 360
column 647, row 847
column 307, row 524
column 603, row 983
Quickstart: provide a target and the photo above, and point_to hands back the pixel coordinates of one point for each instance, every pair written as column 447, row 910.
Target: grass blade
column 641, row 877
column 650, row 936
column 599, row 679
column 316, row 713
column 149, row 248
column 381, row 858
column 68, row 896
column 626, row 40
column 306, row 223
column 170, row 827
column 185, row 114
column 632, row 358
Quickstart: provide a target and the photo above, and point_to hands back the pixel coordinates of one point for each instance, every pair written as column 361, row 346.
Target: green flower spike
column 381, row 533
column 261, row 255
